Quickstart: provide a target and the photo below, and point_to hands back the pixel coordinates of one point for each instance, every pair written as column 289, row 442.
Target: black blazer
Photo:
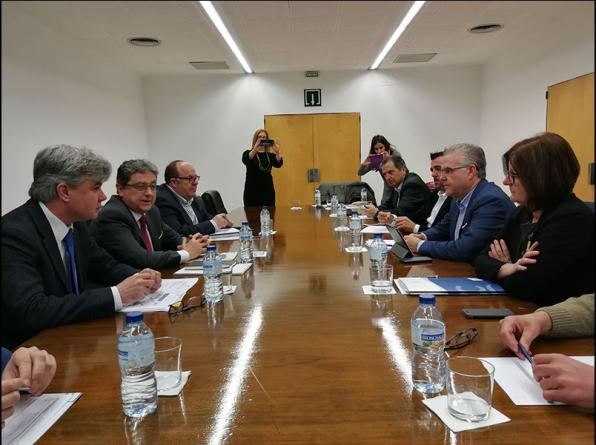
column 565, row 265
column 35, row 288
column 116, row 230
column 176, row 217
column 434, row 196
column 413, row 199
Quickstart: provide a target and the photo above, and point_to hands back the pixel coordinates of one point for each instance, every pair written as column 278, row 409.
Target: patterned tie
column 145, row 233
column 71, row 261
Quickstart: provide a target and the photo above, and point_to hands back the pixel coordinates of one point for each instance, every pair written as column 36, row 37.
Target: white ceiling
column 278, row 36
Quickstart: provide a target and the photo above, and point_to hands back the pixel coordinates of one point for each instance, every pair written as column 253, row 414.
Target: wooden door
column 329, row 142
column 570, row 113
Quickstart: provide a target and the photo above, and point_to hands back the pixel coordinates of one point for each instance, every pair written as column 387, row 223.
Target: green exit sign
column 312, row 98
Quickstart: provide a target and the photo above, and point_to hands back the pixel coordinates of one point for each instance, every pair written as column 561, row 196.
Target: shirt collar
column 180, row 198
column 466, row 200
column 135, row 215
column 59, row 229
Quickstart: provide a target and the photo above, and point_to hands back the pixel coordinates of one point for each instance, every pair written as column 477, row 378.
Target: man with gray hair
column 478, row 209
column 53, row 272
column 130, row 226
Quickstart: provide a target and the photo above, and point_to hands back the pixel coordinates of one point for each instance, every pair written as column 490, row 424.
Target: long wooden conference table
column 297, row 355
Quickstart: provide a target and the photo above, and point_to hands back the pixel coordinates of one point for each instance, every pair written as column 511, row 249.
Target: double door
column 327, row 143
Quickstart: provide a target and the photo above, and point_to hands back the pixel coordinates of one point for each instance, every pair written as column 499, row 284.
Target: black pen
column 526, row 354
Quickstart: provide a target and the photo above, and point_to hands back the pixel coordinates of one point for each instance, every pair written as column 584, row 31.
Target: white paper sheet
column 368, row 290
column 516, row 378
column 34, row 415
column 238, row 269
column 171, row 291
column 375, row 229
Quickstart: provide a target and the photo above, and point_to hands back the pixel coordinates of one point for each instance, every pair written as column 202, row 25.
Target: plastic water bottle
column 136, row 357
column 265, row 222
column 334, row 204
column 213, row 288
column 363, row 194
column 317, row 198
column 378, row 251
column 245, row 243
column 342, row 218
column 428, row 343
column 355, row 228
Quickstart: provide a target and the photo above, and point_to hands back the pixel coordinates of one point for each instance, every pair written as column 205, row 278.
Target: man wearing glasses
column 130, row 227
column 53, row 272
column 478, row 209
column 180, row 208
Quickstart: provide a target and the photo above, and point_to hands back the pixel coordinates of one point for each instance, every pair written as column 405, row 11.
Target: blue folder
column 447, row 286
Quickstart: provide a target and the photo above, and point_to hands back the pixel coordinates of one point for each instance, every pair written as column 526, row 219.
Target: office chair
column 213, row 202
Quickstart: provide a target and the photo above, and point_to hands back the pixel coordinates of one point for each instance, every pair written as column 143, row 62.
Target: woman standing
column 379, row 145
column 259, row 160
column 545, row 251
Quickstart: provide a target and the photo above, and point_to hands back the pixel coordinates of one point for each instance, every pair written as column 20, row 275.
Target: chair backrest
column 347, row 192
column 213, row 202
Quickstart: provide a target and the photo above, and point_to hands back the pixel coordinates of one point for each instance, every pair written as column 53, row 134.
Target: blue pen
column 525, row 353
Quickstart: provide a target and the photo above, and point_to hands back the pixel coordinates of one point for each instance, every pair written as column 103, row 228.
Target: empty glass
column 381, row 277
column 470, row 383
column 168, row 362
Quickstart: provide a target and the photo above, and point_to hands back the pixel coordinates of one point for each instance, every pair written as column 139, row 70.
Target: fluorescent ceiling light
column 398, row 32
column 219, row 24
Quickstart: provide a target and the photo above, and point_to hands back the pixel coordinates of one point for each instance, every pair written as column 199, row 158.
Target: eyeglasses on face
column 191, row 303
column 191, row 179
column 450, row 170
column 142, row 186
column 461, row 339
column 511, row 176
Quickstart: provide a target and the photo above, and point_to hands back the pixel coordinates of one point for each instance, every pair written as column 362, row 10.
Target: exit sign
column 312, row 98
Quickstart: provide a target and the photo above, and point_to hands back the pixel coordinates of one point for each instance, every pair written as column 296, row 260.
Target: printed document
column 172, row 290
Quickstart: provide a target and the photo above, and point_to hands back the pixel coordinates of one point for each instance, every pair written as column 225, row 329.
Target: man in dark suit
column 410, row 194
column 53, row 272
column 180, row 208
column 478, row 210
column 437, row 207
column 130, row 227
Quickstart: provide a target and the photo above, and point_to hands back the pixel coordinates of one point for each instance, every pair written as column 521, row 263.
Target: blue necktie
column 71, row 262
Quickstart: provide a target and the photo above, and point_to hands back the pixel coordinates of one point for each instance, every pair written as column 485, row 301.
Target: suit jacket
column 35, row 287
column 410, row 201
column 176, row 217
column 565, row 265
column 485, row 215
column 434, row 196
column 116, row 230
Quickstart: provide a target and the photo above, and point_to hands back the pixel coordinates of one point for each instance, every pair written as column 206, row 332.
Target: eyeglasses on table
column 461, row 339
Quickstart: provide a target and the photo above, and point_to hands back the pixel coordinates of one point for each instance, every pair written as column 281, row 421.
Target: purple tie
column 145, row 233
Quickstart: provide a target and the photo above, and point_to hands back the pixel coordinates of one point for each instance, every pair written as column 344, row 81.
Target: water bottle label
column 136, row 354
column 355, row 224
column 428, row 338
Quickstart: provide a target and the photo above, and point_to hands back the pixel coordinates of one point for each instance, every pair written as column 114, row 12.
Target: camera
column 266, row 143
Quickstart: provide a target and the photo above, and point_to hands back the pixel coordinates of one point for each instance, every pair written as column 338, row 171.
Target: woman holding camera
column 379, row 145
column 259, row 160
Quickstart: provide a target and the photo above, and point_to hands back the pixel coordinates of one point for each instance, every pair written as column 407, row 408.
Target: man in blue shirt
column 478, row 209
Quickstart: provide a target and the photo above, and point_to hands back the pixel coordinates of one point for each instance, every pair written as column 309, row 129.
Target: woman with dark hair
column 259, row 160
column 545, row 251
column 379, row 145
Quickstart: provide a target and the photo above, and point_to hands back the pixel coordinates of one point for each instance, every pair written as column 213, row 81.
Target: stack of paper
column 447, row 286
column 238, row 269
column 225, row 235
column 172, row 290
column 375, row 228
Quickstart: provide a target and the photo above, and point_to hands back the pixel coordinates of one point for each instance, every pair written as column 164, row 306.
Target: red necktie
column 145, row 233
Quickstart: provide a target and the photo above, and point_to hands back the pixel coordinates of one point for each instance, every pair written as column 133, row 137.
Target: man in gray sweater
column 561, row 378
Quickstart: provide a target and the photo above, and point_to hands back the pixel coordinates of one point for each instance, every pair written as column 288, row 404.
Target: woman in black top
column 258, row 186
column 545, row 251
column 379, row 145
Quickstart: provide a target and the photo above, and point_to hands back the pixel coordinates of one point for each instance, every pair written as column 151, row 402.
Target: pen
column 526, row 354
column 430, row 276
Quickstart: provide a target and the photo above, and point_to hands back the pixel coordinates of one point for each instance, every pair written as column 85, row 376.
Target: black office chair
column 213, row 202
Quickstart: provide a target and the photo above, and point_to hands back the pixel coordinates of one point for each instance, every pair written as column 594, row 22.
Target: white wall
column 209, row 120
column 55, row 91
column 514, row 86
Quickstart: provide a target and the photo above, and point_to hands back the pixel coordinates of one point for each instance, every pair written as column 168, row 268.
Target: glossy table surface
column 297, row 355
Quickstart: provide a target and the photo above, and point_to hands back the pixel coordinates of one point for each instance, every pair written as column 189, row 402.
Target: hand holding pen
column 526, row 328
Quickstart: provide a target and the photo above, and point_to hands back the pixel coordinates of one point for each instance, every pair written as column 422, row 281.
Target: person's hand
column 275, row 148
column 385, row 217
column 520, row 265
column 366, row 161
column 34, row 367
column 431, row 186
column 10, row 396
column 135, row 287
column 564, row 379
column 412, row 241
column 499, row 251
column 195, row 245
column 527, row 327
column 257, row 144
column 405, row 224
column 221, row 221
column 370, row 210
